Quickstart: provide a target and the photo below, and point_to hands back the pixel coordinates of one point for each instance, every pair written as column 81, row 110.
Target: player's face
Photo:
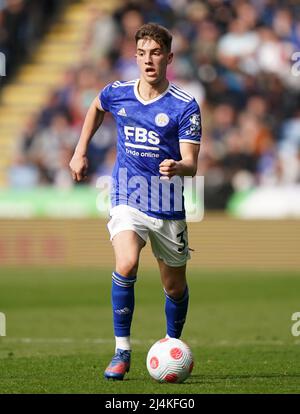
column 152, row 60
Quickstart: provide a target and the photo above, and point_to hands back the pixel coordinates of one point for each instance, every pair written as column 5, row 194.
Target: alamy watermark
column 167, row 196
column 2, row 64
column 296, row 66
column 2, row 324
column 296, row 326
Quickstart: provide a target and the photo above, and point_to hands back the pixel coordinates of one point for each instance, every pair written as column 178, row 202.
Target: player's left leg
column 177, row 297
column 169, row 241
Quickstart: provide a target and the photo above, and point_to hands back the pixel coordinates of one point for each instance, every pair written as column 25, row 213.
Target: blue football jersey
column 148, row 133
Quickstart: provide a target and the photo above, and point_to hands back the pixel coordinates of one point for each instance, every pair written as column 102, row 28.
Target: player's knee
column 175, row 291
column 127, row 267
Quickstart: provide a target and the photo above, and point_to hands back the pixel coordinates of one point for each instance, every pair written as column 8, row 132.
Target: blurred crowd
column 22, row 24
column 238, row 58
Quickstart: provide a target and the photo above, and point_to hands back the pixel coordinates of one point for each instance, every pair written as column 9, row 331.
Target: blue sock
column 122, row 296
column 176, row 311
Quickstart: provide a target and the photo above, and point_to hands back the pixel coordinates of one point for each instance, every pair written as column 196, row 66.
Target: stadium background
column 235, row 57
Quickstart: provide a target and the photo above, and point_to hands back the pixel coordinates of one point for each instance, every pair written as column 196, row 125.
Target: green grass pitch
column 59, row 335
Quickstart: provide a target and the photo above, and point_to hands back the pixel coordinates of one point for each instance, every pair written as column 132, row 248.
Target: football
column 170, row 360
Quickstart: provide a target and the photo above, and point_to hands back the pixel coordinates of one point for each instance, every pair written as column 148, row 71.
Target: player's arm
column 187, row 166
column 92, row 122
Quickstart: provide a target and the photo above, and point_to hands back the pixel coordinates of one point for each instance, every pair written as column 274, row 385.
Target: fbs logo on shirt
column 141, row 135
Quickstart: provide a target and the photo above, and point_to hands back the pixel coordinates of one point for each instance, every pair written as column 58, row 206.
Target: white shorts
column 169, row 239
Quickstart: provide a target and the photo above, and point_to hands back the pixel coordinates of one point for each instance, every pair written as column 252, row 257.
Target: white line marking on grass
column 194, row 342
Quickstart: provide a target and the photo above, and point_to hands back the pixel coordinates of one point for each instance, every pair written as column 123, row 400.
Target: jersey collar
column 139, row 98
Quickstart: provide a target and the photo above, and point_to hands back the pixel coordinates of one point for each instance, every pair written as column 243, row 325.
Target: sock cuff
column 122, row 280
column 182, row 299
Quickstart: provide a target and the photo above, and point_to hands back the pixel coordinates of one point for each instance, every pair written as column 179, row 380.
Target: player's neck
column 148, row 91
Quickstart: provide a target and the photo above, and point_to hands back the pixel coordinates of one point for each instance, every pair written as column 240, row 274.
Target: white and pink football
column 170, row 360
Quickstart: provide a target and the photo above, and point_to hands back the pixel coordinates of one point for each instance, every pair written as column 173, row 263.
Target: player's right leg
column 127, row 245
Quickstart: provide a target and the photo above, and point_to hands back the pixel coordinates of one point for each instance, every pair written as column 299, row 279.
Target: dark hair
column 156, row 32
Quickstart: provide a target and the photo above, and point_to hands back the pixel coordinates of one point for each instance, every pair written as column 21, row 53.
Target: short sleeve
column 105, row 97
column 190, row 129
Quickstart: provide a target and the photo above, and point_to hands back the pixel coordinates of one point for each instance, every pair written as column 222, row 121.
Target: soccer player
column 159, row 132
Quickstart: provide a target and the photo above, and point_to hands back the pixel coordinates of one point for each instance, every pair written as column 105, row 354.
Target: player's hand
column 78, row 166
column 168, row 168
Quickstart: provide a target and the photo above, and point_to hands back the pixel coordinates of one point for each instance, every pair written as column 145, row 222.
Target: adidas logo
column 124, row 311
column 122, row 112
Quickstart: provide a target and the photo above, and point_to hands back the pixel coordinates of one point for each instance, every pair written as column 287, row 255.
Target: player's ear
column 170, row 57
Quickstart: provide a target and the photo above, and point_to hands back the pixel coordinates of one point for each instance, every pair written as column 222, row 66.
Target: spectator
column 50, row 145
column 22, row 23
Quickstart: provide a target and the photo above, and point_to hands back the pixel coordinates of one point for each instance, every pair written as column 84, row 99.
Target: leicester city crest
column 162, row 119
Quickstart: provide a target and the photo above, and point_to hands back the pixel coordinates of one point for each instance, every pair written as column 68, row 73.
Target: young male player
column 159, row 132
